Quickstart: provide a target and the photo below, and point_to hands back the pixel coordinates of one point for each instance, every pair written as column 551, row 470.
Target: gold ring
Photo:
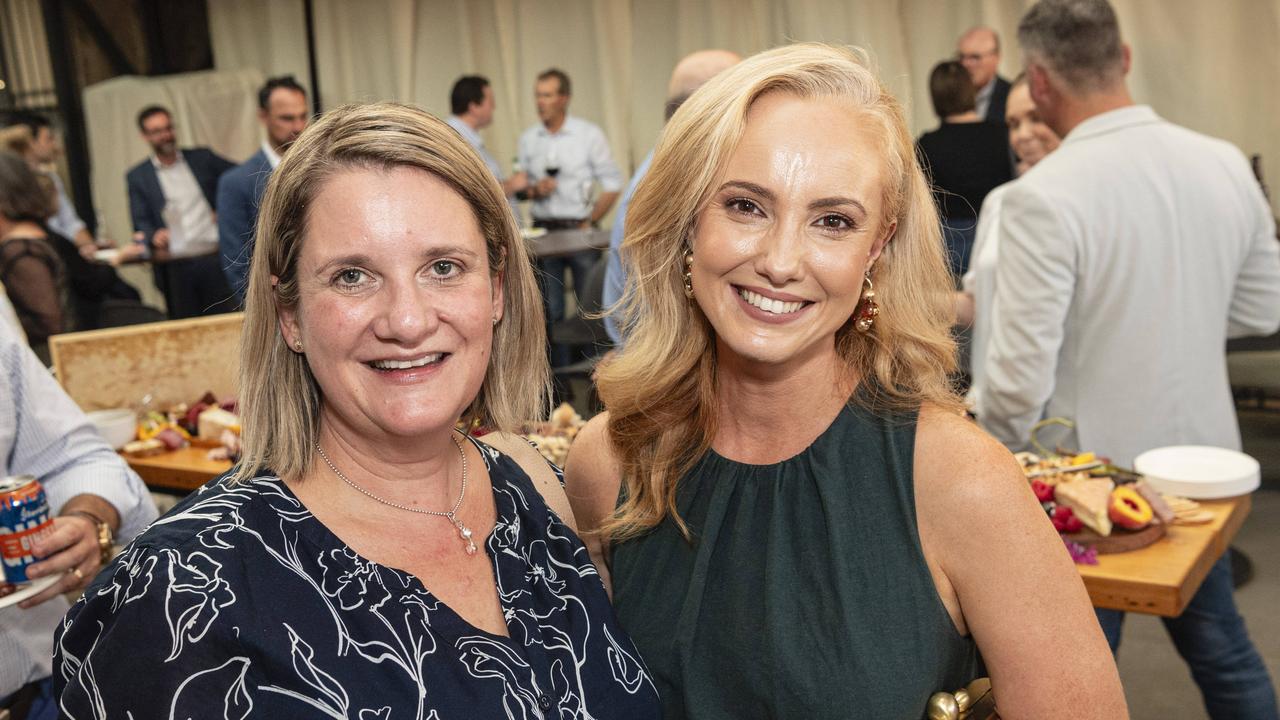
column 76, row 571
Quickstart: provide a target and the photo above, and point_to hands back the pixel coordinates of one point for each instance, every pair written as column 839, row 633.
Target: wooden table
column 1161, row 578
column 559, row 243
column 178, row 470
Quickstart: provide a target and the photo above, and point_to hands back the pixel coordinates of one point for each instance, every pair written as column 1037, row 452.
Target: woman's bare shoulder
column 1020, row 595
column 592, row 475
column 959, row 461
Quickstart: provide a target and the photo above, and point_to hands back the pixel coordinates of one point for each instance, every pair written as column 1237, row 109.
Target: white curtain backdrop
column 215, row 109
column 1209, row 66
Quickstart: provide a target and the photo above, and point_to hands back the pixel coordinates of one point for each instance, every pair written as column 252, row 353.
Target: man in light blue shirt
column 689, row 74
column 569, row 156
column 44, row 434
column 472, row 104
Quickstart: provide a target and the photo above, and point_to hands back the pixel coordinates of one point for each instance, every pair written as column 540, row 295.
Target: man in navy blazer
column 172, row 201
column 282, row 108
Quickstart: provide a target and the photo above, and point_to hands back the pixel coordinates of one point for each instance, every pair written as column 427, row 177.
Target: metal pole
column 309, row 16
column 67, row 91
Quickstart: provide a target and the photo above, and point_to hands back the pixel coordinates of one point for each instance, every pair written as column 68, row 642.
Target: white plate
column 531, row 233
column 32, row 588
column 1199, row 472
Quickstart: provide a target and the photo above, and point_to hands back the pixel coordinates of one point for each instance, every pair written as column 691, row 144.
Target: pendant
column 464, row 532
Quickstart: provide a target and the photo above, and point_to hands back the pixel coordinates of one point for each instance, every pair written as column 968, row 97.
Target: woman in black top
column 797, row 520
column 33, row 276
column 965, row 159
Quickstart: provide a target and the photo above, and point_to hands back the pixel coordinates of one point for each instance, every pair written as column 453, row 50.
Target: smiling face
column 792, row 224
column 157, row 130
column 1030, row 137
column 396, row 302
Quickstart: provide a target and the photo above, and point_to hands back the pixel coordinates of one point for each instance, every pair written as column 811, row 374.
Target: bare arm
column 592, row 481
column 1006, row 578
column 964, row 308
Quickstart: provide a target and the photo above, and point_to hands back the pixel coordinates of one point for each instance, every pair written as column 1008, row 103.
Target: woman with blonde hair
column 365, row 559
column 798, row 521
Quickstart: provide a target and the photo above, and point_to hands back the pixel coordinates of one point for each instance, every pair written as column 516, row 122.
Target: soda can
column 24, row 516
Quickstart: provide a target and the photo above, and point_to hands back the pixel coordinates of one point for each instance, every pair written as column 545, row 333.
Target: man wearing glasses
column 979, row 51
column 172, row 197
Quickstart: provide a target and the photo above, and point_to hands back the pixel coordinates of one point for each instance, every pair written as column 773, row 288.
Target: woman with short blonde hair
column 277, row 388
column 366, row 559
column 797, row 520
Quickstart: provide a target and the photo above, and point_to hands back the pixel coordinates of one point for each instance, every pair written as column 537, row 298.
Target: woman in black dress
column 366, row 560
column 33, row 275
column 802, row 523
column 965, row 158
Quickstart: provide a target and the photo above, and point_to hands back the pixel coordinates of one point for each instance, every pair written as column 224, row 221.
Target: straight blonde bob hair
column 661, row 388
column 280, row 400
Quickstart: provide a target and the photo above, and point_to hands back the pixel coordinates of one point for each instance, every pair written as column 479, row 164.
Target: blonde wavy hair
column 660, row 389
column 279, row 397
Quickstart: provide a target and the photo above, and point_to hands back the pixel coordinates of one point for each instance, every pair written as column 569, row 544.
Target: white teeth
column 769, row 305
column 406, row 364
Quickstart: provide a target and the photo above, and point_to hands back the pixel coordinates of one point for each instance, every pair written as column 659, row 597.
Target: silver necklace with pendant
column 451, row 514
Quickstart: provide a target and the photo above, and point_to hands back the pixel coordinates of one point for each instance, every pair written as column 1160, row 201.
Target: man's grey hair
column 1079, row 40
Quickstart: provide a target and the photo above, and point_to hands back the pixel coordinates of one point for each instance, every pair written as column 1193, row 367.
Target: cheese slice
column 213, row 421
column 1089, row 500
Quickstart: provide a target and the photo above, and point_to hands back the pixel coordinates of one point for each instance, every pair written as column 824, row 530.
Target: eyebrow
column 364, row 260
column 821, row 203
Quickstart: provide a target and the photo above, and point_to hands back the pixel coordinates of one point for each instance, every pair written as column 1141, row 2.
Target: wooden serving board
column 172, row 362
column 1160, row 579
column 1119, row 540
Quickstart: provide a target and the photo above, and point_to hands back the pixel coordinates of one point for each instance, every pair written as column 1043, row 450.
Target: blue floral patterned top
column 240, row 603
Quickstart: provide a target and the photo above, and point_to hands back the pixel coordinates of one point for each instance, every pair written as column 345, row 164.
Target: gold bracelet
column 106, row 543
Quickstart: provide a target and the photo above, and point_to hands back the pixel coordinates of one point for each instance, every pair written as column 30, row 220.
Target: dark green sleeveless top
column 805, row 592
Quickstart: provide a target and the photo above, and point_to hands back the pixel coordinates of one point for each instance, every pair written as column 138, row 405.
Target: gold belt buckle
column 974, row 702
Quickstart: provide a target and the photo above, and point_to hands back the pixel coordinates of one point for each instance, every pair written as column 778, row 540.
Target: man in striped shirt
column 44, row 434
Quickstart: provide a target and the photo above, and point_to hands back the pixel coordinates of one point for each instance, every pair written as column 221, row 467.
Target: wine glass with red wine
column 553, row 162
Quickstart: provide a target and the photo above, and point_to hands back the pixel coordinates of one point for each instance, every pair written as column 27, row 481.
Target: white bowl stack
column 1199, row 472
column 117, row 426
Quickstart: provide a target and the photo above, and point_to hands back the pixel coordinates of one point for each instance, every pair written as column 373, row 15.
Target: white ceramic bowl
column 1199, row 471
column 117, row 427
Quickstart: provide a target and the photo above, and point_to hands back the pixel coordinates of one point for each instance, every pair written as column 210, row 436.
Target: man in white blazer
column 1127, row 258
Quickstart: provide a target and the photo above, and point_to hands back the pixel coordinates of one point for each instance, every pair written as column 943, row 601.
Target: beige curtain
column 214, row 109
column 26, row 55
column 268, row 37
column 1209, row 66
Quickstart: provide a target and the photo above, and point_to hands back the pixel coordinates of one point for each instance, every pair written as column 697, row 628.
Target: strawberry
column 1043, row 491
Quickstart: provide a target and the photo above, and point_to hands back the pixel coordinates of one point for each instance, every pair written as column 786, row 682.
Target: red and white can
column 24, row 516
